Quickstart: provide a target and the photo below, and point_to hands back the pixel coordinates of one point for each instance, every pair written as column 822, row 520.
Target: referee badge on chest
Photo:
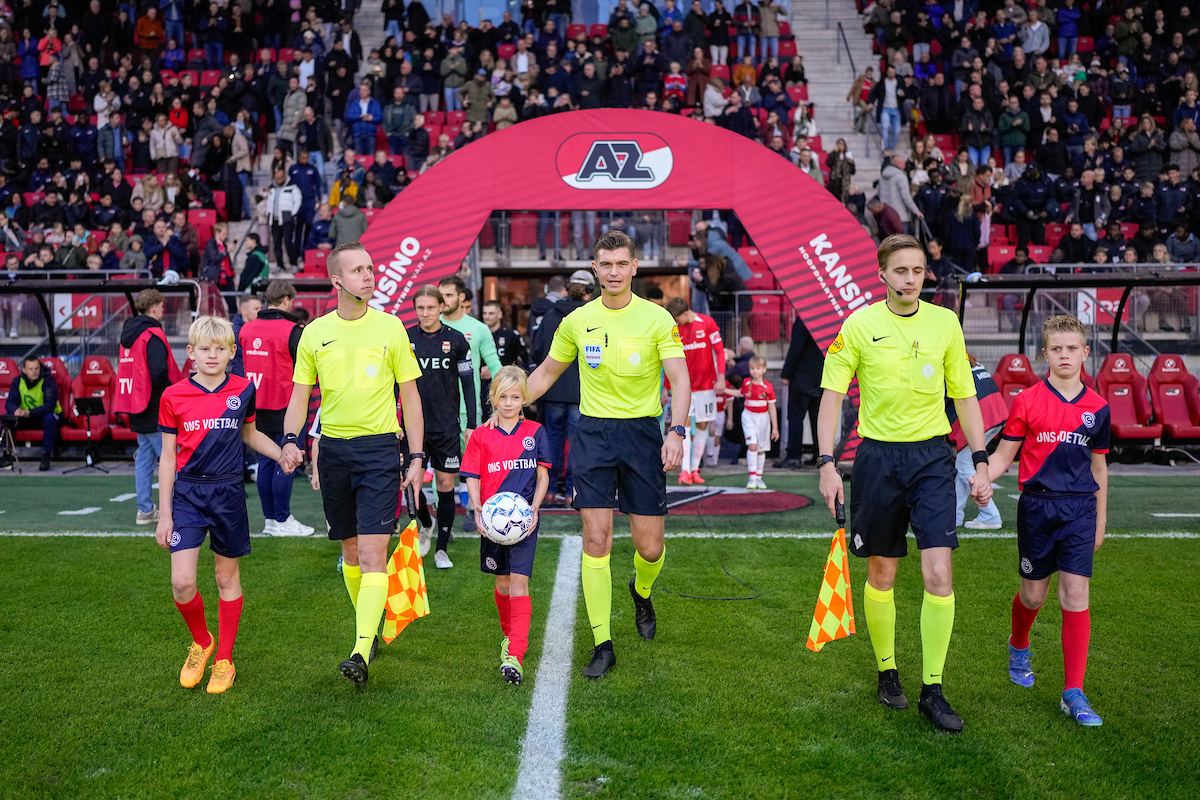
column 591, row 355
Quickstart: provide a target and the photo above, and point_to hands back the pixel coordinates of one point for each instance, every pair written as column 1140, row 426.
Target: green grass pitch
column 725, row 703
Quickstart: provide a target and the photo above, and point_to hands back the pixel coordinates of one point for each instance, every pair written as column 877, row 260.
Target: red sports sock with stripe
column 504, row 609
column 518, row 637
column 1076, row 632
column 193, row 614
column 1022, row 621
column 229, row 614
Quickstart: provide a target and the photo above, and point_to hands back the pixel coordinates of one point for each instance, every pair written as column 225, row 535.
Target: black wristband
column 290, row 438
column 826, row 459
column 979, row 457
column 424, row 458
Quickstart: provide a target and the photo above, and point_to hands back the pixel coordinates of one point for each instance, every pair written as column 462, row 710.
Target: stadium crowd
column 1067, row 130
column 118, row 117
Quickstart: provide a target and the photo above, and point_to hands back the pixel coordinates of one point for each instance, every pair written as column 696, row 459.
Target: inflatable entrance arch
column 619, row 159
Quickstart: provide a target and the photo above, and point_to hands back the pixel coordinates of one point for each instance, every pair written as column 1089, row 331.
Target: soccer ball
column 507, row 518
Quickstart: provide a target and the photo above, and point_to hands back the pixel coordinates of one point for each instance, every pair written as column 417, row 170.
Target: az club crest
column 614, row 161
column 591, row 355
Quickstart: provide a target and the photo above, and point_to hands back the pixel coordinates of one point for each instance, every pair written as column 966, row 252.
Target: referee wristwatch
column 824, row 459
column 682, row 431
column 424, row 458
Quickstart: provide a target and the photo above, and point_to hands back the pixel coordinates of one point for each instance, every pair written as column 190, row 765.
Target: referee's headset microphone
column 341, row 288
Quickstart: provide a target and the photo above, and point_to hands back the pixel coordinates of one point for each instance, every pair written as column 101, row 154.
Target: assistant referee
column 907, row 354
column 359, row 355
column 618, row 455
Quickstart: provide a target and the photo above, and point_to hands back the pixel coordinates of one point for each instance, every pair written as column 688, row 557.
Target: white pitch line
column 1173, row 515
column 121, row 498
column 79, row 512
column 539, row 775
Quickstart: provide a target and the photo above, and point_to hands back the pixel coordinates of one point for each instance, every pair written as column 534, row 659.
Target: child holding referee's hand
column 204, row 420
column 1063, row 428
column 512, row 456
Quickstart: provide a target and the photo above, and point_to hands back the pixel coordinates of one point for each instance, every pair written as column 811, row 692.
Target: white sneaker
column 269, row 527
column 308, row 529
column 759, row 480
column 291, row 527
column 752, row 483
column 441, row 560
column 424, row 538
column 12, row 334
column 147, row 517
column 976, row 525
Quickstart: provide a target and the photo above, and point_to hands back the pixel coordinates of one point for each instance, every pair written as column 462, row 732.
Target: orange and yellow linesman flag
column 408, row 596
column 834, row 617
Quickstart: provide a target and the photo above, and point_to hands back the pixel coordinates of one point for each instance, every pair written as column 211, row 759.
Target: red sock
column 504, row 608
column 518, row 637
column 1022, row 621
column 193, row 615
column 1076, row 631
column 229, row 614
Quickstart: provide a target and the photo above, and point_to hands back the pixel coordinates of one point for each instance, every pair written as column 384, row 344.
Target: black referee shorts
column 619, row 462
column 360, row 484
column 900, row 484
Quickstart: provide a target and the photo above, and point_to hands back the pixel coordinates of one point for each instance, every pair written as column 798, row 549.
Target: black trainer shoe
column 643, row 614
column 934, row 705
column 374, row 650
column 891, row 693
column 354, row 669
column 45, row 465
column 603, row 659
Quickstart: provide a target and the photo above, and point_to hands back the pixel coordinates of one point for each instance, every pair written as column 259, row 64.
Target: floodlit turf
column 90, row 651
column 726, row 703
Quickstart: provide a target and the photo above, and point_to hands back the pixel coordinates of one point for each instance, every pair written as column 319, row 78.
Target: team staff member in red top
column 144, row 369
column 268, row 344
column 705, row 356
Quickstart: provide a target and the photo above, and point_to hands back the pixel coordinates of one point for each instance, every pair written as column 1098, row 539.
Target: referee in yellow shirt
column 907, row 355
column 359, row 355
column 618, row 454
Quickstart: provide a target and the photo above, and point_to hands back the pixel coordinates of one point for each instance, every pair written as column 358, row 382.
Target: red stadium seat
column 679, row 228
column 456, row 118
column 315, row 261
column 1129, row 230
column 210, row 77
column 1085, row 44
column 999, row 234
column 721, row 71
column 1013, row 375
column 1055, row 231
column 787, row 49
column 1040, row 253
column 287, row 54
column 999, row 255
column 600, row 30
column 97, row 379
column 195, row 79
column 798, row 93
column 1175, row 397
column 506, row 51
column 1124, row 389
column 576, row 29
column 785, row 29
column 766, row 318
column 8, row 373
column 197, row 54
column 371, row 213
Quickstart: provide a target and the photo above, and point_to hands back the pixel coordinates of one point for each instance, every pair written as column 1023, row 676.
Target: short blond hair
column 209, row 329
column 505, row 379
column 1063, row 323
column 894, row 244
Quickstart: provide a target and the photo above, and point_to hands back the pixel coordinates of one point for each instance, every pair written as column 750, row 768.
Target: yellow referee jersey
column 906, row 366
column 620, row 356
column 358, row 363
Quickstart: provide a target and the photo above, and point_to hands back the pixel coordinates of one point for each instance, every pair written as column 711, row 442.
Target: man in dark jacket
column 1075, row 248
column 158, row 364
column 164, row 251
column 33, row 400
column 586, row 87
column 560, row 403
column 556, row 292
column 801, row 373
column 1032, row 206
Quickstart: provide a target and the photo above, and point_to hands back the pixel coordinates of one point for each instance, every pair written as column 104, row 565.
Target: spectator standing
column 478, row 98
column 453, row 71
column 747, row 19
column 284, row 201
column 977, row 127
column 364, row 115
column 894, row 192
column 291, row 114
column 145, row 368
column 349, row 224
column 801, row 373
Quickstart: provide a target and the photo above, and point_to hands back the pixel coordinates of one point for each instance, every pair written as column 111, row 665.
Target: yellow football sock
column 372, row 597
column 879, row 607
column 353, row 578
column 646, row 571
column 597, row 595
column 937, row 622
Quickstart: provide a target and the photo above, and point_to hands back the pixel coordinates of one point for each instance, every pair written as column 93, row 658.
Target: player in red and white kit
column 760, row 421
column 705, row 356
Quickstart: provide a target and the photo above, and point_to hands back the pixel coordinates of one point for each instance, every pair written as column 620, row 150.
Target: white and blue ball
column 507, row 518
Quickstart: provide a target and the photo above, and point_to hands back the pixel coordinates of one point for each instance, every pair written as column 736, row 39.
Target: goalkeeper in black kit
column 445, row 360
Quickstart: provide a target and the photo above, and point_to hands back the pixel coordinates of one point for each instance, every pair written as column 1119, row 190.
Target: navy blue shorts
column 618, row 462
column 506, row 559
column 896, row 485
column 1056, row 532
column 215, row 507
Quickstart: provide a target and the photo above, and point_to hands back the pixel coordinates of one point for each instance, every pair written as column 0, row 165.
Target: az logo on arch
column 614, row 161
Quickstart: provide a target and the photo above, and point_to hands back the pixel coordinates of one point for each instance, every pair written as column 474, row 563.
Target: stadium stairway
column 829, row 81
